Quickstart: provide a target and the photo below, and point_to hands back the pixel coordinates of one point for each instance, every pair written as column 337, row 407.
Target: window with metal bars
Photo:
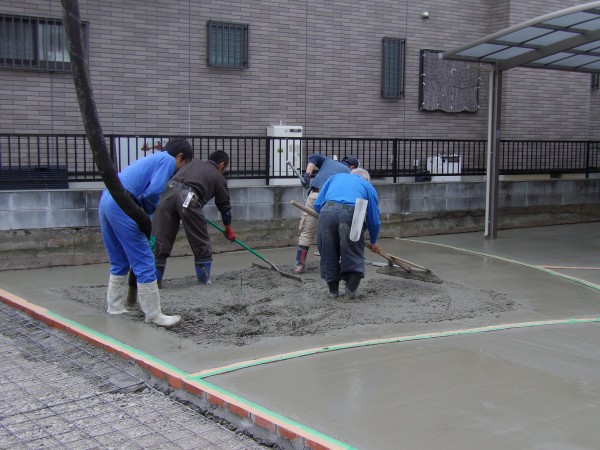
column 392, row 67
column 595, row 81
column 227, row 45
column 34, row 43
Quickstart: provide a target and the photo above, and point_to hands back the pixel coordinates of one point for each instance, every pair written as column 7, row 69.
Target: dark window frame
column 39, row 47
column 595, row 81
column 237, row 38
column 393, row 67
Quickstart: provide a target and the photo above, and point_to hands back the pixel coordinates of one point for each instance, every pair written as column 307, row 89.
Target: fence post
column 587, row 159
column 268, row 158
column 395, row 161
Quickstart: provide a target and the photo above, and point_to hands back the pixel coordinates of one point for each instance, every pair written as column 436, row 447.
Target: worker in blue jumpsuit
column 128, row 247
column 341, row 258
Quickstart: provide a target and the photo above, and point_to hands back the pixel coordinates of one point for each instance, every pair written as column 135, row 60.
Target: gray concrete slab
column 526, row 388
column 528, row 379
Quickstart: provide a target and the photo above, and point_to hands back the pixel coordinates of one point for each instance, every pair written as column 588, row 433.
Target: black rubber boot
column 352, row 283
column 334, row 289
column 160, row 272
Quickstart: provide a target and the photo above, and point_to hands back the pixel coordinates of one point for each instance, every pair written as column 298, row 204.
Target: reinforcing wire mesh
column 57, row 391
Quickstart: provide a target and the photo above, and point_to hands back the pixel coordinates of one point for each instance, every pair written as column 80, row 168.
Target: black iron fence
column 53, row 160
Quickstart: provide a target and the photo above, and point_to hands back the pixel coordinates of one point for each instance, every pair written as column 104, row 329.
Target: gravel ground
column 57, row 391
column 242, row 307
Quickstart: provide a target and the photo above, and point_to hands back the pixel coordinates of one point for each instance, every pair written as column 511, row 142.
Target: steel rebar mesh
column 57, row 391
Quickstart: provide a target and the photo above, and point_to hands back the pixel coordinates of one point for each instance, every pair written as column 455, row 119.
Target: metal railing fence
column 27, row 158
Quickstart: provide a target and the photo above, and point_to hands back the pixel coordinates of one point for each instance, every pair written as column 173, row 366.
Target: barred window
column 228, row 45
column 34, row 43
column 392, row 68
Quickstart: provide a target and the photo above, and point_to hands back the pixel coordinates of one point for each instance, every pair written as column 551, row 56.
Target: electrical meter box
column 285, row 146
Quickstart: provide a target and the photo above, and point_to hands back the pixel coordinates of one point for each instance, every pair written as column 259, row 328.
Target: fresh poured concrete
column 524, row 379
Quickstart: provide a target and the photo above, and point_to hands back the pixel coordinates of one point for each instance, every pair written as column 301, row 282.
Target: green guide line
column 417, row 337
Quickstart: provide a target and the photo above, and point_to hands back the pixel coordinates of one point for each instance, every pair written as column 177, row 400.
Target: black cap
column 351, row 161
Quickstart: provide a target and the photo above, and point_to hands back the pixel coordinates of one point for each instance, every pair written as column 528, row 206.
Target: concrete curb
column 243, row 413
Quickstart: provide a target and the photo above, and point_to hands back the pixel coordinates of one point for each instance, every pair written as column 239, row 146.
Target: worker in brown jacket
column 186, row 194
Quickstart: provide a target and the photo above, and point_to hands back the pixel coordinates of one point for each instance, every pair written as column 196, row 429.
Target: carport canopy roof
column 568, row 39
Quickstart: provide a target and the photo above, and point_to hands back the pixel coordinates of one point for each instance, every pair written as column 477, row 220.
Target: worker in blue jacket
column 341, row 258
column 128, row 247
column 326, row 167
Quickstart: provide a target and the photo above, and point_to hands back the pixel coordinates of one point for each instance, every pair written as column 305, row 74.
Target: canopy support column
column 493, row 154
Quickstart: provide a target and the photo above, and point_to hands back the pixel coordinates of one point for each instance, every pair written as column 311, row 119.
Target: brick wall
column 312, row 64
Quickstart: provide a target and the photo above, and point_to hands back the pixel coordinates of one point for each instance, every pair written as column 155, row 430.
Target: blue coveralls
column 127, row 246
column 335, row 203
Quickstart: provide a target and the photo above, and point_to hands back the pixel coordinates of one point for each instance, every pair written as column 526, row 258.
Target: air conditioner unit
column 285, row 148
column 442, row 165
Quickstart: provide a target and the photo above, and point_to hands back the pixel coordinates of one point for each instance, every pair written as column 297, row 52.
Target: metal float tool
column 395, row 266
column 255, row 253
column 398, row 267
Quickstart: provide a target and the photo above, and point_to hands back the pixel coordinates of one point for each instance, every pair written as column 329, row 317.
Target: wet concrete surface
column 528, row 378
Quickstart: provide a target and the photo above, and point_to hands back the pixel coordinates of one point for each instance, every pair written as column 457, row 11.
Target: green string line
column 315, row 351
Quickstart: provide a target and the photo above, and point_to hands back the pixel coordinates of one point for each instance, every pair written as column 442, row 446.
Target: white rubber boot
column 116, row 294
column 149, row 299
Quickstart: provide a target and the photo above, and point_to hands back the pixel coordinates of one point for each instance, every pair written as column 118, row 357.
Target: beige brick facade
column 312, row 63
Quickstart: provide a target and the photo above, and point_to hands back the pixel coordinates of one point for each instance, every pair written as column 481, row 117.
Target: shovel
column 255, row 253
column 395, row 267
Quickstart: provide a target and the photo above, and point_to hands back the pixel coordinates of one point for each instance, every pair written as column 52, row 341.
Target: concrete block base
column 25, row 249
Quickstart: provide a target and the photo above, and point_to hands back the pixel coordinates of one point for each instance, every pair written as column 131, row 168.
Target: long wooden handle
column 312, row 212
